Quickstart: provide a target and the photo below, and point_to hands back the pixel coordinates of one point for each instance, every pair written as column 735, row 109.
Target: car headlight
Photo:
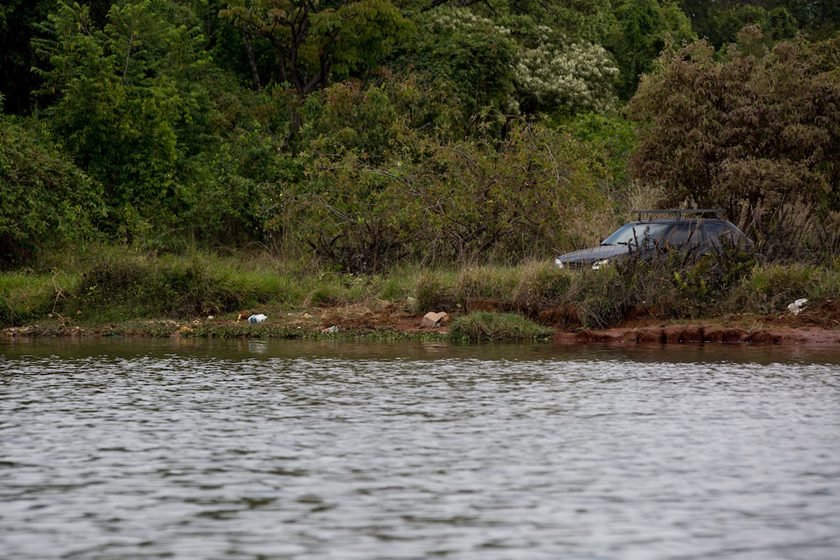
column 558, row 263
column 598, row 264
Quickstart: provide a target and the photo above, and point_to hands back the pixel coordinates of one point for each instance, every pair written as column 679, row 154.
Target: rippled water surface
column 292, row 450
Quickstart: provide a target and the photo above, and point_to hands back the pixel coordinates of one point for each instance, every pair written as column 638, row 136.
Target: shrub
column 496, row 327
column 825, row 282
column 44, row 198
column 119, row 287
column 601, row 297
column 541, row 286
column 772, row 288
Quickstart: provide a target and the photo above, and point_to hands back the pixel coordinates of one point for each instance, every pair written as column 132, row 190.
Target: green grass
column 771, row 288
column 434, row 290
column 487, row 283
column 26, row 296
column 484, row 326
column 541, row 285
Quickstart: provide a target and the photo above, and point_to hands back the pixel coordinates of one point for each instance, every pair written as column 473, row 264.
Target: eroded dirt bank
column 704, row 334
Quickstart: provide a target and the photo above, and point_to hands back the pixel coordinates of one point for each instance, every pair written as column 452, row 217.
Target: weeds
column 496, row 327
column 434, row 291
column 770, row 288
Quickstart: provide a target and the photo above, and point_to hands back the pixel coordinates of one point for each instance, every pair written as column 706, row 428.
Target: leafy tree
column 720, row 21
column 553, row 74
column 127, row 94
column 780, row 24
column 314, row 39
column 752, row 132
column 471, row 53
column 580, row 21
column 609, row 140
column 380, row 186
column 644, row 28
column 44, row 199
column 18, row 19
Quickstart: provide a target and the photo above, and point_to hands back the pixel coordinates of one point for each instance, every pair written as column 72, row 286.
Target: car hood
column 594, row 254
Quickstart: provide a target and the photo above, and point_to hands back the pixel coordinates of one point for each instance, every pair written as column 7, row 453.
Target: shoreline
column 392, row 323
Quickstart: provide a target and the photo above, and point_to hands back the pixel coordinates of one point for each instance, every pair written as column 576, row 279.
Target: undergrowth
column 112, row 284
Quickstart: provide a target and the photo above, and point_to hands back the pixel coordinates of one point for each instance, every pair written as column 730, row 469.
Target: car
column 700, row 231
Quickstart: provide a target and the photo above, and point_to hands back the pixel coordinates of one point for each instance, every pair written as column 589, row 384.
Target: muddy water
column 292, row 450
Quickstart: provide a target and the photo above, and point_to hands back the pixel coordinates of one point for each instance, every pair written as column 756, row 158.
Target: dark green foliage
column 721, row 20
column 126, row 93
column 610, row 139
column 18, row 22
column 314, row 40
column 473, row 54
column 644, row 28
column 44, row 198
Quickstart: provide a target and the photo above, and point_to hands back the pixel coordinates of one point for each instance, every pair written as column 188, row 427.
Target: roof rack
column 680, row 212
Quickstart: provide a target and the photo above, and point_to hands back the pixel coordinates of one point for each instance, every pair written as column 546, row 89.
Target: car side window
column 714, row 231
column 682, row 234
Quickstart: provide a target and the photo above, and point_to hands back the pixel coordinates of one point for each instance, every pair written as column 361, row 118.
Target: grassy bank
column 201, row 294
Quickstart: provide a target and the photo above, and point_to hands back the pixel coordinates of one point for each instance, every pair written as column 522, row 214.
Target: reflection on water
column 256, row 449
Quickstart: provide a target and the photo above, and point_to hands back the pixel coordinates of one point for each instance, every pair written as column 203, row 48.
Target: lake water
column 258, row 450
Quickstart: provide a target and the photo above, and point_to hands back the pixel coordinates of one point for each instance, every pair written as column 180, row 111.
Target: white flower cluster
column 459, row 19
column 578, row 76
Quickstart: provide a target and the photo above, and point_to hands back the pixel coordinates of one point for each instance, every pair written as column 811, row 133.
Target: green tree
column 719, row 21
column 472, row 54
column 128, row 99
column 383, row 183
column 18, row 20
column 315, row 39
column 644, row 28
column 45, row 200
column 553, row 74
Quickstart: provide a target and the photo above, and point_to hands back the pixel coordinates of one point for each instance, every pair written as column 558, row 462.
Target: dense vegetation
column 364, row 134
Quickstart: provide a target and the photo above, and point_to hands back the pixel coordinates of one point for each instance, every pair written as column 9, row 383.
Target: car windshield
column 635, row 233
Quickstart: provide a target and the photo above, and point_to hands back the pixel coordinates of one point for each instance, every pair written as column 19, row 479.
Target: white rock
column 258, row 318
